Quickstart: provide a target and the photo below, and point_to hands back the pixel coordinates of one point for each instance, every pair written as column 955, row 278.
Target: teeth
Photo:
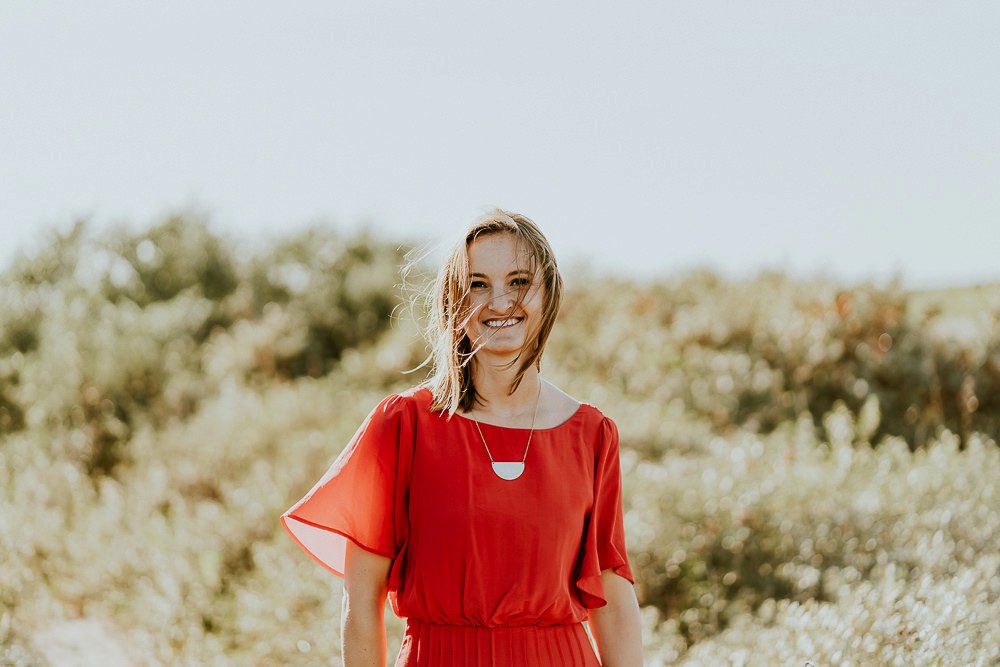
column 496, row 324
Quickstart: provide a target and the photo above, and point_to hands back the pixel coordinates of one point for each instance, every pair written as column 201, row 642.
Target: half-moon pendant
column 508, row 469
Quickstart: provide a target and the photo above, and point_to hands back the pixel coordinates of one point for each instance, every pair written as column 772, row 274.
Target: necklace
column 511, row 469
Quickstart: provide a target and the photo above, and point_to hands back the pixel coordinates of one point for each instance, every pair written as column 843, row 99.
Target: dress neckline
column 579, row 410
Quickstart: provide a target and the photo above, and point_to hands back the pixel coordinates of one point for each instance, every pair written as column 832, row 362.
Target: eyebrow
column 512, row 273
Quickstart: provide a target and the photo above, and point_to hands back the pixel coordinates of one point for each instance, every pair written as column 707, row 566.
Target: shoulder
column 394, row 418
column 413, row 396
column 605, row 426
column 604, row 432
column 587, row 412
column 404, row 403
column 410, row 402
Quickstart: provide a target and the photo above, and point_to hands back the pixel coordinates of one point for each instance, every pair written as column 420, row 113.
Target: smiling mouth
column 503, row 324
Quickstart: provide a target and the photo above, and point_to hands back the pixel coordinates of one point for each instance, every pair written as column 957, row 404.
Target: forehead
column 499, row 254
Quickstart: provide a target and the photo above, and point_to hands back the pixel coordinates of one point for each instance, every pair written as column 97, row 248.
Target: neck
column 493, row 383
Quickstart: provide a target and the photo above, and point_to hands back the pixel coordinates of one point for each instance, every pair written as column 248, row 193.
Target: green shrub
column 803, row 475
column 721, row 357
column 790, row 517
column 177, row 255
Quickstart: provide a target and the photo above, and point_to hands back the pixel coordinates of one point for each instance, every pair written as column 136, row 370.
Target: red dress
column 486, row 571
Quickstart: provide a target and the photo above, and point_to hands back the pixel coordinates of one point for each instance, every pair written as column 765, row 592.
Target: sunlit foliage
column 809, row 469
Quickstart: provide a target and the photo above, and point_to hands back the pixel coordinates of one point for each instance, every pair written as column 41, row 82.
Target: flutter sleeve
column 362, row 497
column 603, row 544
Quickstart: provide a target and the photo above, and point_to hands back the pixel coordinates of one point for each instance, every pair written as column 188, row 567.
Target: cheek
column 468, row 316
column 535, row 301
column 469, row 309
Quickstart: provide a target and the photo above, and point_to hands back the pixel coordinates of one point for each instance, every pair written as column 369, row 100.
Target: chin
column 511, row 350
column 504, row 352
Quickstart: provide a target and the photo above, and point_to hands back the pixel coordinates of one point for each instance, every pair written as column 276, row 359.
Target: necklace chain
column 530, row 433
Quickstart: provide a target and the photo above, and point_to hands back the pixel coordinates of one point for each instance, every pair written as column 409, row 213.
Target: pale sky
column 854, row 138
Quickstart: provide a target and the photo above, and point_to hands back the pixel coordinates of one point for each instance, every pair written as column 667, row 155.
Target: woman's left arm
column 617, row 626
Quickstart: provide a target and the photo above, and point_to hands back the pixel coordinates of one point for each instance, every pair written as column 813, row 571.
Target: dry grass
column 777, row 511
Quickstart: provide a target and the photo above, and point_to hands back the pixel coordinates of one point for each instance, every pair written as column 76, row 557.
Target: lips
column 502, row 323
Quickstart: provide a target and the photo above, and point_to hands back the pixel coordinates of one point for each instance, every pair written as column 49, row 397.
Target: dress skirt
column 434, row 645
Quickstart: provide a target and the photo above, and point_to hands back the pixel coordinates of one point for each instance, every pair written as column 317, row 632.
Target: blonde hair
column 451, row 353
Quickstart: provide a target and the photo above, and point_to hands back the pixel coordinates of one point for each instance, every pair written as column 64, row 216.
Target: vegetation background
column 810, row 468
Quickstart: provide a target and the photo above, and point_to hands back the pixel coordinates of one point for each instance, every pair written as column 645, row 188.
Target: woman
column 486, row 503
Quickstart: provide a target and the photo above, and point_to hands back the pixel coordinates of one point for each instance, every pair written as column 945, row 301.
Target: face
column 505, row 300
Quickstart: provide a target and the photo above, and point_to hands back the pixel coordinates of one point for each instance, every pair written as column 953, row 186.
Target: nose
column 501, row 300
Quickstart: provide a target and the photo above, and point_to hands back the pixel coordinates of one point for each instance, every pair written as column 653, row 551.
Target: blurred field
column 810, row 468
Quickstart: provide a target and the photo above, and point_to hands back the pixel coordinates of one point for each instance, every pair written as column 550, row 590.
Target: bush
column 707, row 356
column 789, row 517
column 803, row 469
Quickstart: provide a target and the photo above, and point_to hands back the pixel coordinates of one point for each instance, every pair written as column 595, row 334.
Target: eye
column 477, row 284
column 520, row 282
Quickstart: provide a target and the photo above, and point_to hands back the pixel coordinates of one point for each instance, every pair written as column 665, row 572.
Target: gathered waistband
column 530, row 626
column 428, row 644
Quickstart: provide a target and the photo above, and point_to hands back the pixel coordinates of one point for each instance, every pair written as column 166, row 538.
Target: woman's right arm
column 362, row 623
